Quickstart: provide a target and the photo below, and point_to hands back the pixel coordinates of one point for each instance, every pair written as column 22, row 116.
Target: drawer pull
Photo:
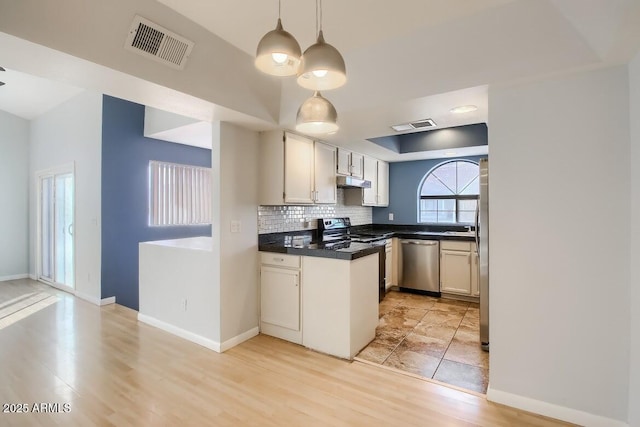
column 279, row 259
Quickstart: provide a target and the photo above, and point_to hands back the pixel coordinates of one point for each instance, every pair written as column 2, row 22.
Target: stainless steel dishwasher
column 420, row 266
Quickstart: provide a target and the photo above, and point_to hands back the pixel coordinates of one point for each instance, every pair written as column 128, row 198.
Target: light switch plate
column 236, row 226
column 390, row 216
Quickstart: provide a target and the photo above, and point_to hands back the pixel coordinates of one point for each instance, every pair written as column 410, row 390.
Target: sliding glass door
column 56, row 223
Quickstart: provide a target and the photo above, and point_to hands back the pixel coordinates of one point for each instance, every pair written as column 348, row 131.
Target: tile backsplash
column 276, row 219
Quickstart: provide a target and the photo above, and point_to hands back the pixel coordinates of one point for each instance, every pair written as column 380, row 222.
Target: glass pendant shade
column 317, row 115
column 322, row 67
column 278, row 53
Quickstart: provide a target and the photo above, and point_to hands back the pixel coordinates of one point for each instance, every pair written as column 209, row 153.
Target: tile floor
column 432, row 337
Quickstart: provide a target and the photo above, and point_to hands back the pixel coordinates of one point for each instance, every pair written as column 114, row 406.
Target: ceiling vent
column 420, row 124
column 153, row 41
column 428, row 123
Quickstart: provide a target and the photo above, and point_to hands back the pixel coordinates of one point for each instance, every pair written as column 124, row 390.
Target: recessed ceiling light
column 463, row 109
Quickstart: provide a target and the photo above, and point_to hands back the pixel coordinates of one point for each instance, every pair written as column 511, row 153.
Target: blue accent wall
column 404, row 180
column 125, row 195
column 438, row 139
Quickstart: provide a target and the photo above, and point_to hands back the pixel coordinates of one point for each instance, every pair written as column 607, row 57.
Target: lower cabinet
column 388, row 265
column 326, row 304
column 280, row 296
column 340, row 304
column 459, row 268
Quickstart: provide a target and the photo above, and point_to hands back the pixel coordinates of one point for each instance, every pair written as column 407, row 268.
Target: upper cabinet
column 370, row 195
column 296, row 170
column 350, row 163
column 383, row 183
column 376, row 171
column 324, row 173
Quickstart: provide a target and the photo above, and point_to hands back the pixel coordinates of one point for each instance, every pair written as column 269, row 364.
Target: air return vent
column 153, row 41
column 420, row 124
column 428, row 123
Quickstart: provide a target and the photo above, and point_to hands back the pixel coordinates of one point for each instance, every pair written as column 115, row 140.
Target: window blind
column 179, row 194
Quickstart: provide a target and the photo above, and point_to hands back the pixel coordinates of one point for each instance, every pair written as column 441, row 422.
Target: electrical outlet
column 236, row 226
column 390, row 216
column 184, row 304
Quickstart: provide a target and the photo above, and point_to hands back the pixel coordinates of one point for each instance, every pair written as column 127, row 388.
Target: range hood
column 352, row 182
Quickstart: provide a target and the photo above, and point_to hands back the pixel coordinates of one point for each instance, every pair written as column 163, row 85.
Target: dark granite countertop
column 351, row 252
column 306, row 243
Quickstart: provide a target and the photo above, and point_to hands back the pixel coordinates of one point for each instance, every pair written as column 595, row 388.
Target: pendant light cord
column 318, row 17
column 279, row 7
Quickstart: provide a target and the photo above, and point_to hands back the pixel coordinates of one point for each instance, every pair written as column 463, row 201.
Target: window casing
column 179, row 194
column 449, row 193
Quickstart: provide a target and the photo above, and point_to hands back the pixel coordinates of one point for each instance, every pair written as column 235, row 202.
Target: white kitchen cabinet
column 336, row 312
column 455, row 272
column 376, row 171
column 280, row 308
column 388, row 265
column 458, row 268
column 349, row 163
column 340, row 304
column 357, row 165
column 383, row 184
column 396, row 266
column 296, row 170
column 324, row 173
column 370, row 173
column 475, row 277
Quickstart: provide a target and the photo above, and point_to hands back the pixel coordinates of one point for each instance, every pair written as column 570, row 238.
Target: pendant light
column 322, row 66
column 278, row 52
column 317, row 115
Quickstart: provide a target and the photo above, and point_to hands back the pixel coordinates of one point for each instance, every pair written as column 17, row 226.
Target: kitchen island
column 321, row 297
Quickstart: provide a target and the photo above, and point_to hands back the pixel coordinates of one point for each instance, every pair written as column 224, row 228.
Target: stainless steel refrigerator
column 482, row 242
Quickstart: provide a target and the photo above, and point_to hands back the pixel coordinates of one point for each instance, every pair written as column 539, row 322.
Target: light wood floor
column 113, row 370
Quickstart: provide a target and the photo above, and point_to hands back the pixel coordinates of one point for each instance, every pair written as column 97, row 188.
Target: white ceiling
column 415, row 59
column 406, row 59
column 28, row 96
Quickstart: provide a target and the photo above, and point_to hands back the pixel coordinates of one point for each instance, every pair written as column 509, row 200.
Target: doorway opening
column 55, row 227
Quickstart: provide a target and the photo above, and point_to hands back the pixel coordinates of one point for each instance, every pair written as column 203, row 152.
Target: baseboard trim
column 182, row 333
column 551, row 410
column 238, row 339
column 13, row 277
column 107, row 301
column 89, row 298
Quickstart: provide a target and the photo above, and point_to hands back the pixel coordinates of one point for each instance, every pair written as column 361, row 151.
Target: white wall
column 560, row 214
column 239, row 251
column 184, row 310
column 634, row 291
column 216, row 71
column 72, row 132
column 14, row 185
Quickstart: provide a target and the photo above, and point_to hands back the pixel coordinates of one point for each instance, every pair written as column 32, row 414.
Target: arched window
column 449, row 193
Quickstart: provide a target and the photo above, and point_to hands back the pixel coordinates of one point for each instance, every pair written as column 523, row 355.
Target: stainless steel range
column 336, row 233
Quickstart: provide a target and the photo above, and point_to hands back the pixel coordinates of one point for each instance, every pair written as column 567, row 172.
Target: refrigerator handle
column 477, row 236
